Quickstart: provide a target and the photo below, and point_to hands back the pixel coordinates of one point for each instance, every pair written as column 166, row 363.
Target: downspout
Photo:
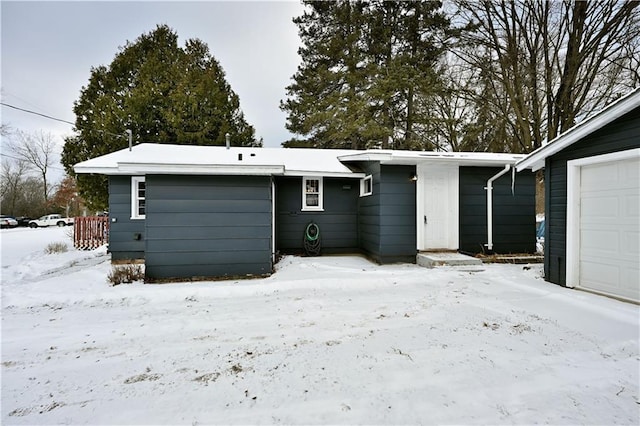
column 489, row 189
column 273, row 222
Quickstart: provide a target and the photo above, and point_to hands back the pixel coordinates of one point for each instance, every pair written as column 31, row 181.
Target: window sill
column 312, row 209
column 138, row 218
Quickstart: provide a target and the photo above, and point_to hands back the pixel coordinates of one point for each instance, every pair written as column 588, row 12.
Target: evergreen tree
column 364, row 67
column 161, row 92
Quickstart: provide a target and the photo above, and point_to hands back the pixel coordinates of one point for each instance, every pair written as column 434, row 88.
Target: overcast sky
column 48, row 49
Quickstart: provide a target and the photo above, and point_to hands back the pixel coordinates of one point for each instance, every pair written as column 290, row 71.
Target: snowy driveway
column 324, row 340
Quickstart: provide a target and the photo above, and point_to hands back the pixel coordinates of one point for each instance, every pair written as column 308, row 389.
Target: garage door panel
column 631, row 206
column 594, row 273
column 632, row 290
column 600, row 177
column 599, row 242
column 631, row 244
column 609, row 228
column 600, row 208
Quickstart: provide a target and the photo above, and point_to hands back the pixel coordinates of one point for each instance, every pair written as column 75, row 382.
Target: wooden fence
column 90, row 232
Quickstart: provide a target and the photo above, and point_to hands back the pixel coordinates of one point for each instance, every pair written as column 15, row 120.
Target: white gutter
column 273, row 222
column 489, row 189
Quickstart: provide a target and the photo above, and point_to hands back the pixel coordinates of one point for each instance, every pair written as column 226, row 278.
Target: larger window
column 312, row 193
column 138, row 197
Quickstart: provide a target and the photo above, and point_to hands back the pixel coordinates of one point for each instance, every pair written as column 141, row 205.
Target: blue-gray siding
column 369, row 214
column 619, row 135
column 338, row 222
column 207, row 226
column 514, row 225
column 387, row 217
column 123, row 243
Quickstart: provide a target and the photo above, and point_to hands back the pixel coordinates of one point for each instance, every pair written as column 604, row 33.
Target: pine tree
column 163, row 93
column 364, row 67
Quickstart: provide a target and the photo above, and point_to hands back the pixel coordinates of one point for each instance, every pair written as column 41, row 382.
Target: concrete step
column 433, row 259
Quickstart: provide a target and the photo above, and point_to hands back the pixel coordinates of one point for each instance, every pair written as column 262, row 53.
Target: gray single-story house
column 204, row 211
column 592, row 201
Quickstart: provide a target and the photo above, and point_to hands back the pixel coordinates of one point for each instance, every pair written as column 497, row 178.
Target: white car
column 51, row 220
column 7, row 222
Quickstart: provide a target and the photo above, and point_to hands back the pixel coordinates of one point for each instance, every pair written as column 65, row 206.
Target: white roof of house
column 415, row 157
column 149, row 158
column 536, row 159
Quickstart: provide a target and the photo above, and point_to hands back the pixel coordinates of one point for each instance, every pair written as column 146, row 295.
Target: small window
column 138, row 197
column 312, row 193
column 366, row 186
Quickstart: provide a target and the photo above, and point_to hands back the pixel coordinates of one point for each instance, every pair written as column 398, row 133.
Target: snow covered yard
column 324, row 340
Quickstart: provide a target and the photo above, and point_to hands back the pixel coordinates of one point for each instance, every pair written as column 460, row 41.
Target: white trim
column 419, row 157
column 273, row 222
column 536, row 159
column 573, row 207
column 151, row 168
column 135, row 199
column 320, row 206
column 304, row 173
column 363, row 185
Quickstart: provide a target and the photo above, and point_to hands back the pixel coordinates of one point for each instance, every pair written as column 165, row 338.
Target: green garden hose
column 312, row 240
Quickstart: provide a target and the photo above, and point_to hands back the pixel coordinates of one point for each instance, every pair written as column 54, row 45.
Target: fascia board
column 95, row 170
column 421, row 157
column 298, row 173
column 194, row 169
column 366, row 157
column 537, row 158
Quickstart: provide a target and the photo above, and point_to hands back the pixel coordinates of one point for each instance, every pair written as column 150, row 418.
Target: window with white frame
column 138, row 197
column 312, row 193
column 366, row 186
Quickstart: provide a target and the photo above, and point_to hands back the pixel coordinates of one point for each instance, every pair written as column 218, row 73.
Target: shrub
column 125, row 274
column 53, row 248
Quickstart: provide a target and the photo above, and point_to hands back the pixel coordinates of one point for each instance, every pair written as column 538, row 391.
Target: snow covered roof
column 150, row 158
column 218, row 160
column 536, row 159
column 415, row 157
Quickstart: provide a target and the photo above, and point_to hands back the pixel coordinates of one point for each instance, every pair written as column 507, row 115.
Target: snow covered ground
column 334, row 340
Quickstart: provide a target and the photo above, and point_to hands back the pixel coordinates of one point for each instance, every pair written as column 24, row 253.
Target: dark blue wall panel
column 338, row 222
column 126, row 235
column 387, row 217
column 514, row 225
column 207, row 226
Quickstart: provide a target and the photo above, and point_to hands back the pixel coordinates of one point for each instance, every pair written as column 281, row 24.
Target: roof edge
column 627, row 103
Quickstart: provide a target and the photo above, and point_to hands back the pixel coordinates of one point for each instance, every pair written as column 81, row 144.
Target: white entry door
column 437, row 207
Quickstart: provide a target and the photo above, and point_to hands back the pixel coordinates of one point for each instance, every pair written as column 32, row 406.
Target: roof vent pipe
column 130, row 135
column 228, row 139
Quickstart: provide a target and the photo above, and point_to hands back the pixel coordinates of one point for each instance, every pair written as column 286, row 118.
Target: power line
column 22, row 159
column 37, row 113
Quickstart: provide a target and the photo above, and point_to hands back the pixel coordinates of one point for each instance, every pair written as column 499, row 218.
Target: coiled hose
column 312, row 240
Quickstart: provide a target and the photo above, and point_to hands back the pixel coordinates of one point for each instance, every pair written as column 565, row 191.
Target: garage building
column 592, row 202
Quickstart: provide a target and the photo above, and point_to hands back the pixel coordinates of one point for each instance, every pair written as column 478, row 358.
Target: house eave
column 346, row 174
column 180, row 169
column 536, row 159
column 421, row 157
column 131, row 169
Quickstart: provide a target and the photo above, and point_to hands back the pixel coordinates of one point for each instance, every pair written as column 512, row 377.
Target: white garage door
column 609, row 228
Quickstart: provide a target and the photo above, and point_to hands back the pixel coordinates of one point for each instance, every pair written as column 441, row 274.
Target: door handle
column 425, row 219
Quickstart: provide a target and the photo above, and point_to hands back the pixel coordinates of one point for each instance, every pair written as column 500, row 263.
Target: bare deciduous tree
column 13, row 174
column 543, row 65
column 37, row 151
